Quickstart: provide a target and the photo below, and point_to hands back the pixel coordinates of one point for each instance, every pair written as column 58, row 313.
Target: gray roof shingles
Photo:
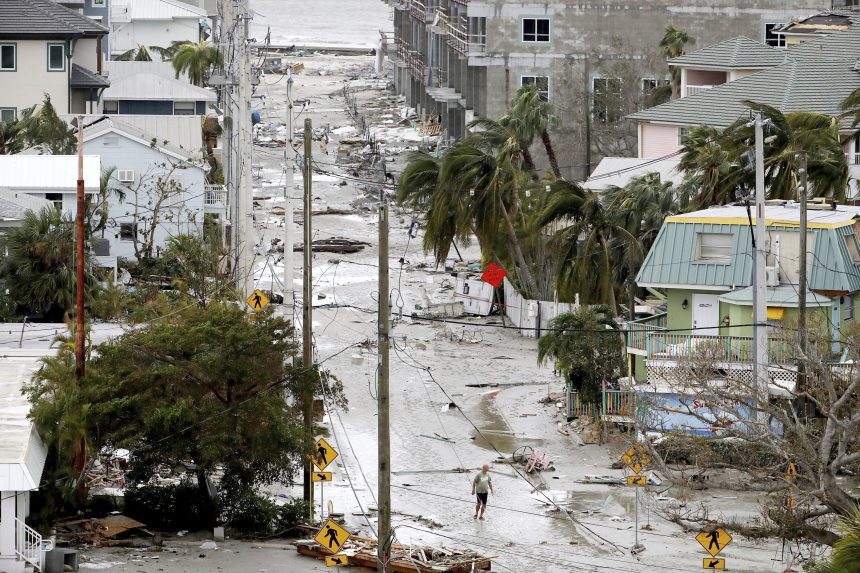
column 736, row 53
column 84, row 78
column 44, row 19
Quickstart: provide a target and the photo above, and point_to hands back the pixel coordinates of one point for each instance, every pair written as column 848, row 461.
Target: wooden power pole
column 383, row 431
column 80, row 239
column 307, row 315
column 801, row 294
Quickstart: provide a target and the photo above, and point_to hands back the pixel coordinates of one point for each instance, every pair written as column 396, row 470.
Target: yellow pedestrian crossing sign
column 258, row 300
column 322, row 476
column 714, row 541
column 713, row 563
column 332, row 536
column 636, row 459
column 323, row 454
column 336, row 560
column 791, row 472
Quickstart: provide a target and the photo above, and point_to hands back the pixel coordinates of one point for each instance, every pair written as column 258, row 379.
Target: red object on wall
column 494, row 275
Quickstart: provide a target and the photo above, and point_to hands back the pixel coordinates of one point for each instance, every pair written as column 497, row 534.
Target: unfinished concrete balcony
column 462, row 40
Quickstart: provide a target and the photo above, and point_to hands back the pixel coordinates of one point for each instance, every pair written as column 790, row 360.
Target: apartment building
column 597, row 62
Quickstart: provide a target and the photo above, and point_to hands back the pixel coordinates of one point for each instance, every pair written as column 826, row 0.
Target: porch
column 616, row 406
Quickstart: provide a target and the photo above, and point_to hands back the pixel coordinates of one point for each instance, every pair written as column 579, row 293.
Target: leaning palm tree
column 536, row 116
column 791, row 139
column 196, row 60
column 710, row 176
column 11, row 137
column 671, row 46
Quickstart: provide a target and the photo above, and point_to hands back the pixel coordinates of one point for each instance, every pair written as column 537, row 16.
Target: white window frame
column 532, row 79
column 714, row 253
column 14, row 111
column 193, row 107
column 780, row 38
column 112, row 102
column 537, row 36
column 56, row 199
column 125, row 175
column 682, row 132
column 853, row 248
column 848, row 305
column 14, row 47
column 62, row 68
column 619, row 113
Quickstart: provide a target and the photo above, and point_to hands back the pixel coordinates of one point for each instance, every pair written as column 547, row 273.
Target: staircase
column 28, row 545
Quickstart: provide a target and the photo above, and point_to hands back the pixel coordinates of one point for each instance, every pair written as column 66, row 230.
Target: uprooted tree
column 756, row 436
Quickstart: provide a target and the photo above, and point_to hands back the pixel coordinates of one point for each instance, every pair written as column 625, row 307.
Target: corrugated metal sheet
column 161, row 10
column 48, row 172
column 16, row 430
column 151, row 86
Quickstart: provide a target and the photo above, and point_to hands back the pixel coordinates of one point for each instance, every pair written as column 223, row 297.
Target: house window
column 542, row 83
column 111, row 107
column 682, row 133
column 183, row 108
column 536, row 30
column 714, row 247
column 56, row 199
column 771, row 38
column 127, row 231
column 125, row 175
column 8, row 114
column 97, row 3
column 651, row 84
column 853, row 248
column 848, row 304
column 56, row 58
column 606, row 99
column 8, row 57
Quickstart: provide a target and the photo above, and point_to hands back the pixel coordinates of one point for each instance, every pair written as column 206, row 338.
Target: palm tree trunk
column 550, row 153
column 519, row 259
column 529, row 163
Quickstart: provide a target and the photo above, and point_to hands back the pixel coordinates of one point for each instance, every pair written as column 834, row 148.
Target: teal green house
column 702, row 262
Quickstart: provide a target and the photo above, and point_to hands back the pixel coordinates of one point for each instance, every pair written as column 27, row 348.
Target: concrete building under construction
column 596, row 62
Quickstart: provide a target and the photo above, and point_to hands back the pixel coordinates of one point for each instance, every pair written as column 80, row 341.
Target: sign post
column 324, row 454
column 636, row 459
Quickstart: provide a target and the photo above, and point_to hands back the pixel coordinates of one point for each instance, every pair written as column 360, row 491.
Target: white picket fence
column 532, row 317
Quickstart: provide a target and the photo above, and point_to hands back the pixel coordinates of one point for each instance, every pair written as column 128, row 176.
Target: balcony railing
column 853, row 158
column 215, row 195
column 461, row 40
column 615, row 403
column 693, row 90
column 418, row 10
column 638, row 330
column 716, row 348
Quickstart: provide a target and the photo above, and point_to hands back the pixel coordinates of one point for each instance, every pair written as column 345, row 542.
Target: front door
column 706, row 314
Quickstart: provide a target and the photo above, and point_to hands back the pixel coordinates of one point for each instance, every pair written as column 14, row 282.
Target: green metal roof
column 671, row 260
column 802, row 84
column 784, row 295
column 736, row 53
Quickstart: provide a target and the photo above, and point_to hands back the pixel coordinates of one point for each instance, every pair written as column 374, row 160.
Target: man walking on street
column 482, row 485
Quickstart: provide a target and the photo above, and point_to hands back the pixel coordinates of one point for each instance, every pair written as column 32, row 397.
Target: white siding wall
column 87, row 54
column 148, row 164
column 161, row 33
column 657, row 140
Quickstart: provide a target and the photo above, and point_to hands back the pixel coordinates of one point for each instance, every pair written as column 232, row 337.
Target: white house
column 152, row 88
column 51, row 177
column 136, row 23
column 46, row 48
column 161, row 183
column 22, row 459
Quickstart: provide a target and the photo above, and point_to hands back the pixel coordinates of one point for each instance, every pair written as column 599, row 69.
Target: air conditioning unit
column 125, row 175
column 772, row 276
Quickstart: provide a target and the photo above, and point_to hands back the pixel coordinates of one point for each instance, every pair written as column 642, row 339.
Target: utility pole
column 760, row 369
column 801, row 297
column 384, row 439
column 290, row 176
column 307, row 315
column 245, row 224
column 80, row 239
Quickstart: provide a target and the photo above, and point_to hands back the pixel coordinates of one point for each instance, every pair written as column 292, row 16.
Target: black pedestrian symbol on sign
column 322, row 454
column 258, row 301
column 331, row 533
column 714, row 538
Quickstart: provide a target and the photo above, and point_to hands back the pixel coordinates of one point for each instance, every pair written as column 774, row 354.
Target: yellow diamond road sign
column 332, row 536
column 636, row 459
column 713, row 563
column 257, row 301
column 714, row 541
column 322, row 476
column 335, row 560
column 323, row 454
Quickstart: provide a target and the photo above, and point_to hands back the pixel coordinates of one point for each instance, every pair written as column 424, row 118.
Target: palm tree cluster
column 197, row 59
column 559, row 239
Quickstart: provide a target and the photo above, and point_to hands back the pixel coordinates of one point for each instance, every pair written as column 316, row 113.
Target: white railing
column 28, row 544
column 693, row 90
column 215, row 195
column 853, row 158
